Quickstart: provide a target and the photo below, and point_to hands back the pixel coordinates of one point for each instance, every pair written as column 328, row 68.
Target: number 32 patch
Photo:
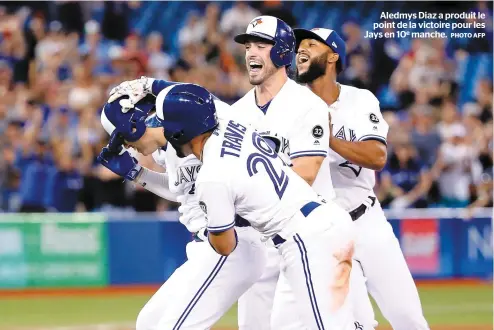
column 317, row 132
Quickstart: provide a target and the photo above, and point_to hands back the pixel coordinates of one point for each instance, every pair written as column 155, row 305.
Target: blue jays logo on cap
column 256, row 22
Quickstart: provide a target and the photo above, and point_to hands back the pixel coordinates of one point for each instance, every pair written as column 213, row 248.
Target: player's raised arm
column 138, row 89
column 309, row 145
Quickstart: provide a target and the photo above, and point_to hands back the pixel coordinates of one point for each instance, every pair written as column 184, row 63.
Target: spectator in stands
column 34, row 163
column 193, row 32
column 63, row 181
column 12, row 46
column 358, row 72
column 70, row 15
column 405, row 181
column 135, row 54
column 94, row 44
column 116, row 20
column 51, row 43
column 7, row 92
column 424, row 135
column 450, row 120
column 159, row 62
column 355, row 44
column 483, row 95
column 9, row 179
column 234, row 20
column 455, row 168
column 386, row 52
column 85, row 93
column 484, row 186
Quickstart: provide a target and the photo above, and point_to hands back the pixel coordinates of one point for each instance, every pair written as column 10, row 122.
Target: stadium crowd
column 57, row 64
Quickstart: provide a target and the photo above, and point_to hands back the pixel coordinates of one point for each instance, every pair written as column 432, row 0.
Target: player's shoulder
column 305, row 99
column 244, row 100
column 212, row 164
column 220, row 145
column 301, row 92
column 357, row 95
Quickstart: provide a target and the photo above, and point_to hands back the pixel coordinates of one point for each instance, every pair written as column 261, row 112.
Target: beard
column 316, row 69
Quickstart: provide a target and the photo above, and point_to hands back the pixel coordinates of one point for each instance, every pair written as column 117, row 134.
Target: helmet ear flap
column 283, row 51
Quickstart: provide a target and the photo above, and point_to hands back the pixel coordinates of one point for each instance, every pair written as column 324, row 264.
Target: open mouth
column 255, row 66
column 302, row 58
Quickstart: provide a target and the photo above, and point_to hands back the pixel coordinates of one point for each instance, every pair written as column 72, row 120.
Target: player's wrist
column 148, row 84
column 134, row 173
column 138, row 178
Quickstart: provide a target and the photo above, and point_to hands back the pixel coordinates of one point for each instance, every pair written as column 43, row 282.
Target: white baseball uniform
column 205, row 287
column 356, row 116
column 297, row 121
column 241, row 174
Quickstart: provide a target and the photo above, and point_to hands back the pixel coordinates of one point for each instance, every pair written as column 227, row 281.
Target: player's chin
column 256, row 79
column 303, row 67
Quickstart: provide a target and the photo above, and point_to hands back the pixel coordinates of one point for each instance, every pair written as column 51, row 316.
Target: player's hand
column 191, row 214
column 121, row 163
column 136, row 90
column 159, row 157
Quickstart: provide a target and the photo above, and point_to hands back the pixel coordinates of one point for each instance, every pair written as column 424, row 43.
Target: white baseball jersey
column 297, row 120
column 355, row 116
column 242, row 175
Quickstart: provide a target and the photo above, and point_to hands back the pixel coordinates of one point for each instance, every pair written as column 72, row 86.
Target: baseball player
column 295, row 121
column 200, row 291
column 359, row 150
column 241, row 174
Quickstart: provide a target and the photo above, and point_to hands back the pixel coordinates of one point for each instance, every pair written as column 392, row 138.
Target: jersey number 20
column 264, row 157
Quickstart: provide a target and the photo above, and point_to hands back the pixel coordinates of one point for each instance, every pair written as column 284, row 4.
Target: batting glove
column 121, row 163
column 136, row 90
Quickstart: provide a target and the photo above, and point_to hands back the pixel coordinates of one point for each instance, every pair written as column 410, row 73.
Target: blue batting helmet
column 328, row 37
column 185, row 111
column 130, row 124
column 276, row 31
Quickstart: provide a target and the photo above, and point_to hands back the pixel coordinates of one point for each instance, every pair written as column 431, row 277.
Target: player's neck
column 198, row 143
column 326, row 88
column 266, row 91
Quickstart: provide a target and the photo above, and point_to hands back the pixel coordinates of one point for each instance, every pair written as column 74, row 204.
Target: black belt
column 359, row 211
column 305, row 210
column 239, row 222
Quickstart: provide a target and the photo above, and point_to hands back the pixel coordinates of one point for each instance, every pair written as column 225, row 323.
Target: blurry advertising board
column 420, row 245
column 53, row 251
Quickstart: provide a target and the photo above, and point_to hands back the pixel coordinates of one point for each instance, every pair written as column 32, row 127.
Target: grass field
column 447, row 306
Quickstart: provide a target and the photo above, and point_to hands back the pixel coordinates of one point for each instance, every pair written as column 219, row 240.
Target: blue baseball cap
column 328, row 37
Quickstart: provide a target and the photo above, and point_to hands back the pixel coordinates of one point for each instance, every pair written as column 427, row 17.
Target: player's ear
column 333, row 57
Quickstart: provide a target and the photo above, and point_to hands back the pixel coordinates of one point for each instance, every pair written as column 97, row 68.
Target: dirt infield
column 149, row 289
column 128, row 327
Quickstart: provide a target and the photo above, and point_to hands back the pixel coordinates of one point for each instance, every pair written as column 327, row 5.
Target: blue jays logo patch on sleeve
column 317, row 132
column 373, row 118
column 203, row 207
